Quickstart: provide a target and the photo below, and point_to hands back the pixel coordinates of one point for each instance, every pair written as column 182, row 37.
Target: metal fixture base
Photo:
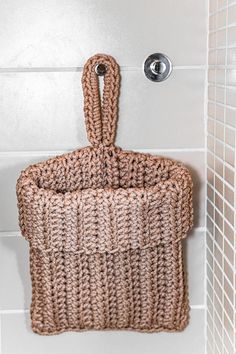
column 101, row 69
column 157, row 67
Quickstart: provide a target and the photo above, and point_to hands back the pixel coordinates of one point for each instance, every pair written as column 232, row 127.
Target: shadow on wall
column 196, row 195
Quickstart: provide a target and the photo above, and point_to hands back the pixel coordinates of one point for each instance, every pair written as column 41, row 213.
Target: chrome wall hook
column 157, row 67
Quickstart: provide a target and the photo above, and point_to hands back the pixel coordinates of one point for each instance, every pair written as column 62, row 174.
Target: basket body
column 105, row 228
column 106, row 250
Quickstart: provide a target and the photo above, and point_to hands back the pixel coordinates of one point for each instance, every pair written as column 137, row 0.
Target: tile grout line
column 222, row 290
column 225, row 294
column 222, row 8
column 80, row 69
column 224, row 182
column 231, row 46
column 228, row 126
column 234, row 245
column 231, row 25
column 222, row 105
column 14, row 312
column 230, row 167
column 233, row 283
column 221, row 66
column 230, row 147
column 213, row 172
column 225, row 201
column 205, row 175
column 223, row 86
column 225, row 313
column 217, row 173
column 223, row 255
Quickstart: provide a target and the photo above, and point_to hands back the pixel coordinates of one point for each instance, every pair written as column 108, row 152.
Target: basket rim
column 162, row 186
column 26, row 178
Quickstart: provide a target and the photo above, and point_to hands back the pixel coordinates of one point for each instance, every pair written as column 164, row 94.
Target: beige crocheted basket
column 105, row 228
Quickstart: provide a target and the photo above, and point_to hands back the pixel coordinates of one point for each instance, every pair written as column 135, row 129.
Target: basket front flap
column 106, row 220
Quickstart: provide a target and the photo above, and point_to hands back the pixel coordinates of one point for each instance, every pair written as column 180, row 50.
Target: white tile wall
column 221, row 183
column 43, row 46
column 48, row 33
column 111, row 342
column 14, row 272
column 55, row 101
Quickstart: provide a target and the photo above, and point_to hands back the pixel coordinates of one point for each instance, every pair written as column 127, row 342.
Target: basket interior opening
column 124, row 170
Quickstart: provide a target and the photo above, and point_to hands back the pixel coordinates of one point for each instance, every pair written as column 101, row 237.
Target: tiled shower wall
column 43, row 46
column 221, row 178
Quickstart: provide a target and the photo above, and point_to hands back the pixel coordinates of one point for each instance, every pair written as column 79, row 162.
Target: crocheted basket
column 105, row 228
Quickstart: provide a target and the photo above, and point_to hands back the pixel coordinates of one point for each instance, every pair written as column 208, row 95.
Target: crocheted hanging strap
column 101, row 113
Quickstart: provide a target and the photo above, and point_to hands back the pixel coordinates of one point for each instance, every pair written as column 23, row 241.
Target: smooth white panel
column 44, row 111
column 14, row 274
column 66, row 32
column 110, row 342
column 162, row 115
column 41, row 111
column 10, row 168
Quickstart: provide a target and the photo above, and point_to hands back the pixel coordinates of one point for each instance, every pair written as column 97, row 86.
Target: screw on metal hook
column 100, row 69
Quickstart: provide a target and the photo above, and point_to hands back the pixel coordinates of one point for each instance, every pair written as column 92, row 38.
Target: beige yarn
column 105, row 228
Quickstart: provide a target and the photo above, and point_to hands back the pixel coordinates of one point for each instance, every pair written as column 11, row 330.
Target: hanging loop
column 101, row 112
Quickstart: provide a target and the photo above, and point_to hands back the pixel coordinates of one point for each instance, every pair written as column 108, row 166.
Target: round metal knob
column 100, row 69
column 157, row 67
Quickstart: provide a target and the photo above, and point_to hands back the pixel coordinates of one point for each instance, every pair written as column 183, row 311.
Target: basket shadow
column 197, row 186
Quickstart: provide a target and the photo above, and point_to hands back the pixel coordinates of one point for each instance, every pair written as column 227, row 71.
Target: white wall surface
column 43, row 46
